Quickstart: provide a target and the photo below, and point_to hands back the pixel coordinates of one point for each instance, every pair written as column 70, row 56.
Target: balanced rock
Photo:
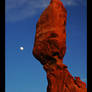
column 50, row 39
column 50, row 47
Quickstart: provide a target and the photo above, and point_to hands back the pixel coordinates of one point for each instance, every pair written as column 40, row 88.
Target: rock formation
column 60, row 80
column 50, row 47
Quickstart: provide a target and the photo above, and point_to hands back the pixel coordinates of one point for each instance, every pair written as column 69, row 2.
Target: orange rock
column 50, row 39
column 50, row 47
column 60, row 80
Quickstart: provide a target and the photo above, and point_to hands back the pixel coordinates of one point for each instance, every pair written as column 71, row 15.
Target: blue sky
column 23, row 72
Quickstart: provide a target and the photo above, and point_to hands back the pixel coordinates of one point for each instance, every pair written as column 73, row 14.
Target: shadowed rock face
column 50, row 39
column 50, row 47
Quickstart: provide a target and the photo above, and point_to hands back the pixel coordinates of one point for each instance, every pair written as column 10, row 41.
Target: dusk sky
column 23, row 72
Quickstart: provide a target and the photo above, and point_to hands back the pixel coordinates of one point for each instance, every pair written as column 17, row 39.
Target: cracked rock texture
column 50, row 39
column 60, row 80
column 50, row 47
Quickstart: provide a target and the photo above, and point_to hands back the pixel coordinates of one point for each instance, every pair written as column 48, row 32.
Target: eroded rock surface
column 50, row 39
column 60, row 80
column 50, row 47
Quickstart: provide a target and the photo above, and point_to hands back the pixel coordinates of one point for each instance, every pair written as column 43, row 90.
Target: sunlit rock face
column 50, row 47
column 60, row 80
column 50, row 39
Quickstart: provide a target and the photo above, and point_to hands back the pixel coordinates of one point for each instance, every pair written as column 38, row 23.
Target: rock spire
column 50, row 47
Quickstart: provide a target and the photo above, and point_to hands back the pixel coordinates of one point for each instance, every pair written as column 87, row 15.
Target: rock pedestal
column 50, row 47
column 60, row 80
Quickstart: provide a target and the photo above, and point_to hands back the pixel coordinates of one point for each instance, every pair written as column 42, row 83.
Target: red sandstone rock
column 50, row 39
column 60, row 80
column 50, row 47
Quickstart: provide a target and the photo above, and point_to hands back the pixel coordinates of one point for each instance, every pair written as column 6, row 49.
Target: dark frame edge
column 2, row 49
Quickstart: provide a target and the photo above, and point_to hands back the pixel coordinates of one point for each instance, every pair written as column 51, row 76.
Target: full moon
column 21, row 48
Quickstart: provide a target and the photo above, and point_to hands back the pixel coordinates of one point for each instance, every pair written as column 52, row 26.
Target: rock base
column 60, row 80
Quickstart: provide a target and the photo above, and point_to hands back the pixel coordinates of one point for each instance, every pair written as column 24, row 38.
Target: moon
column 21, row 48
